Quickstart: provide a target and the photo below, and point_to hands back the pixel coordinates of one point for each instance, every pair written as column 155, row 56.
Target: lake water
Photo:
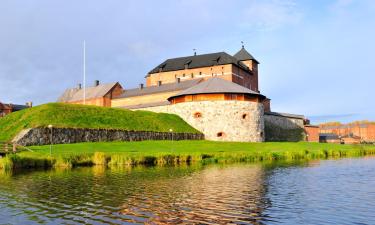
column 315, row 192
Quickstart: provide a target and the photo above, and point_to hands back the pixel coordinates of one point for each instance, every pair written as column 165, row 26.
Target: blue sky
column 317, row 57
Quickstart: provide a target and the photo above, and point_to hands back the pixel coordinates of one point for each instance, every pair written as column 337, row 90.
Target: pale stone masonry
column 240, row 121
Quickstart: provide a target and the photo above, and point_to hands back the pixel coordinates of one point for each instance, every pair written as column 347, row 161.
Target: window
column 192, row 75
column 200, row 73
column 197, row 115
column 245, row 116
column 220, row 134
column 233, row 97
column 183, row 75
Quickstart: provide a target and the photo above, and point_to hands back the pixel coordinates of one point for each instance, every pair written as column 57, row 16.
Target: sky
column 316, row 57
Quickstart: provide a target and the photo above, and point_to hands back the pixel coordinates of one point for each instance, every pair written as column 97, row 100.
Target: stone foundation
column 240, row 121
column 42, row 136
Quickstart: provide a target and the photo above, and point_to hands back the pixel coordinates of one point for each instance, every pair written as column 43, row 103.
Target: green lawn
column 79, row 116
column 192, row 147
column 177, row 152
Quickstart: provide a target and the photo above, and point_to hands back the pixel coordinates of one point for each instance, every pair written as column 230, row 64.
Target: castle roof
column 76, row 94
column 13, row 107
column 216, row 85
column 243, row 55
column 4, row 106
column 177, row 86
column 197, row 61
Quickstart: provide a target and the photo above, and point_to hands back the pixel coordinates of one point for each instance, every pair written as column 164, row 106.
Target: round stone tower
column 222, row 110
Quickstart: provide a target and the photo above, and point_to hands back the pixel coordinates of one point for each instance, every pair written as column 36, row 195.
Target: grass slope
column 177, row 152
column 79, row 116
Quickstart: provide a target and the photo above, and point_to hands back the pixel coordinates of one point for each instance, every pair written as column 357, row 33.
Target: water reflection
column 233, row 194
column 213, row 195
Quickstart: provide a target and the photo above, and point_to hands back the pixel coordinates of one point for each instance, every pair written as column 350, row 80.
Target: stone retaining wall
column 283, row 128
column 42, row 136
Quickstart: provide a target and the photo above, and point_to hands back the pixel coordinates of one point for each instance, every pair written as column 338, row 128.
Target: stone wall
column 284, row 127
column 221, row 120
column 42, row 136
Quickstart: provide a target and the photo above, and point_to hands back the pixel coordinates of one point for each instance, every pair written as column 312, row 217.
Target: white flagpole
column 84, row 72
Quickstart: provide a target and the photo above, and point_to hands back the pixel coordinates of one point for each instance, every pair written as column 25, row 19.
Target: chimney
column 79, row 86
column 159, row 83
column 96, row 83
column 141, row 86
column 178, row 80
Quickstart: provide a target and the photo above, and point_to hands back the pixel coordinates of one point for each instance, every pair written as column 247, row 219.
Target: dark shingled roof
column 216, row 85
column 13, row 107
column 197, row 61
column 285, row 115
column 182, row 85
column 18, row 107
column 243, row 55
column 328, row 136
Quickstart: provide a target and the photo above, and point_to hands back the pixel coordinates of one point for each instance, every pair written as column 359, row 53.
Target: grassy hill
column 79, row 116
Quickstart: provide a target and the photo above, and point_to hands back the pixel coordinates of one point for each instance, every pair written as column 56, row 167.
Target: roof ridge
column 197, row 61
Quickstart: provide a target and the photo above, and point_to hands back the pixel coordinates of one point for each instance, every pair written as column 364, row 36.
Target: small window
column 200, row 73
column 192, row 75
column 183, row 75
column 197, row 115
column 233, row 97
column 220, row 134
column 245, row 116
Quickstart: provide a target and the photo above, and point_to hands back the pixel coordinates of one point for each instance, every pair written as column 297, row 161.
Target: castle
column 216, row 93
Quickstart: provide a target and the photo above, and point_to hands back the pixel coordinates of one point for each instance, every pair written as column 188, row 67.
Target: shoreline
column 166, row 153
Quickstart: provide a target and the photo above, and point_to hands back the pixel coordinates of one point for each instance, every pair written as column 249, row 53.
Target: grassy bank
column 79, row 116
column 178, row 152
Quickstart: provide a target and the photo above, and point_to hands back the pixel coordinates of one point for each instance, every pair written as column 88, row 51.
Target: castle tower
column 246, row 58
column 221, row 110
